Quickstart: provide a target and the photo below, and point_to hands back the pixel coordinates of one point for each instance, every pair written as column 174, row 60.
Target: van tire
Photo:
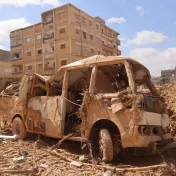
column 18, row 128
column 105, row 145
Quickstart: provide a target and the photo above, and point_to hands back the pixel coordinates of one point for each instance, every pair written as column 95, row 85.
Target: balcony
column 50, row 68
column 15, row 57
column 48, row 20
column 107, row 46
column 106, row 34
column 50, row 55
column 15, row 44
column 119, row 52
column 48, row 36
column 16, row 73
column 118, row 42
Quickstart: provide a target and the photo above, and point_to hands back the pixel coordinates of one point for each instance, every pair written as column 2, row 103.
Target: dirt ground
column 57, row 162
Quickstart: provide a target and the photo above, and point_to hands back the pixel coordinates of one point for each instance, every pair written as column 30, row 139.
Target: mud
column 58, row 162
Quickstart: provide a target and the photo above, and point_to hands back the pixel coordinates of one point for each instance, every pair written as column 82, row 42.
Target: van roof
column 98, row 60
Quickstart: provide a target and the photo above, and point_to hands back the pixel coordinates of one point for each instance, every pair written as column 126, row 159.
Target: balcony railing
column 109, row 35
column 15, row 58
column 118, row 42
column 48, row 20
column 48, row 36
column 108, row 46
column 13, row 45
column 17, row 72
column 119, row 52
column 50, row 68
column 49, row 55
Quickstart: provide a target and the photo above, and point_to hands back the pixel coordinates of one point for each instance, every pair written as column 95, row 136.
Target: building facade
column 167, row 76
column 5, row 69
column 65, row 34
column 5, row 65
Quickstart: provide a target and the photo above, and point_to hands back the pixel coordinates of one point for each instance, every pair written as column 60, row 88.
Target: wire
column 71, row 101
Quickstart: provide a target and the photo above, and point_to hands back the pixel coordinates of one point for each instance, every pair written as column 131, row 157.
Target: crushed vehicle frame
column 98, row 99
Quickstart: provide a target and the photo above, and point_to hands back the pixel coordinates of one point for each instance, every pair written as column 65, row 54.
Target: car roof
column 98, row 60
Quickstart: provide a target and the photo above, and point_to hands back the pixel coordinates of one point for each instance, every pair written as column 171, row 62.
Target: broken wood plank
column 18, row 171
column 61, row 141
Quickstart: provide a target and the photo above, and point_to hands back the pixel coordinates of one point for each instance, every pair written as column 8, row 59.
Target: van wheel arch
column 19, row 116
column 114, row 132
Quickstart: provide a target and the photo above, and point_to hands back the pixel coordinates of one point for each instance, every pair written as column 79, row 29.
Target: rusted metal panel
column 43, row 115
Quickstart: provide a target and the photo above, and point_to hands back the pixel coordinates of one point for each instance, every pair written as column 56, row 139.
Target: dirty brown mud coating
column 106, row 96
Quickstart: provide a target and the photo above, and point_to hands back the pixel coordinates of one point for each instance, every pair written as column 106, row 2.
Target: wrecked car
column 109, row 101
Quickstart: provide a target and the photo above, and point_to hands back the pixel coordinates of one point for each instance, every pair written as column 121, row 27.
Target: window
column 98, row 40
column 92, row 51
column 13, row 43
column 76, row 16
column 114, row 46
column 62, row 15
column 83, row 19
column 63, row 62
column 28, row 40
column 39, row 51
column 15, row 69
column 62, row 30
column 91, row 37
column 90, row 23
column 29, row 54
column 39, row 37
column 77, row 31
column 78, row 47
column 84, row 35
column 62, row 46
column 29, row 67
column 98, row 52
column 40, row 66
column 16, row 56
column 97, row 26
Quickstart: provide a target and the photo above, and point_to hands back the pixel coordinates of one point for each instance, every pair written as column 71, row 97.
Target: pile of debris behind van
column 168, row 92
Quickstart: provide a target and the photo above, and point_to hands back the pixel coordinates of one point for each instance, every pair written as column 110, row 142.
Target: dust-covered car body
column 112, row 92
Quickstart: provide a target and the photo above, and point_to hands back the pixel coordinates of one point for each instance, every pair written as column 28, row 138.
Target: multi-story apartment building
column 167, row 76
column 65, row 34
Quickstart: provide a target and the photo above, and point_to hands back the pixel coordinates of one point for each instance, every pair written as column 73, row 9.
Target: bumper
column 138, row 140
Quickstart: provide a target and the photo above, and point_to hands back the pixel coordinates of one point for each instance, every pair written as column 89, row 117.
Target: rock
column 82, row 158
column 43, row 165
column 19, row 159
column 107, row 173
column 75, row 163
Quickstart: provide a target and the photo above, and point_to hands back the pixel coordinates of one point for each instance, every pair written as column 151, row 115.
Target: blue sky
column 147, row 27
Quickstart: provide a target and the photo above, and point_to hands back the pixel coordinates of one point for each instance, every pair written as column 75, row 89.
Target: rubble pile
column 168, row 92
column 12, row 90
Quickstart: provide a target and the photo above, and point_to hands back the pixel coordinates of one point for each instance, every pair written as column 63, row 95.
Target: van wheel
column 18, row 128
column 105, row 145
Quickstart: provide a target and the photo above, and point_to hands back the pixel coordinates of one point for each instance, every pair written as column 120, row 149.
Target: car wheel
column 105, row 145
column 18, row 128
